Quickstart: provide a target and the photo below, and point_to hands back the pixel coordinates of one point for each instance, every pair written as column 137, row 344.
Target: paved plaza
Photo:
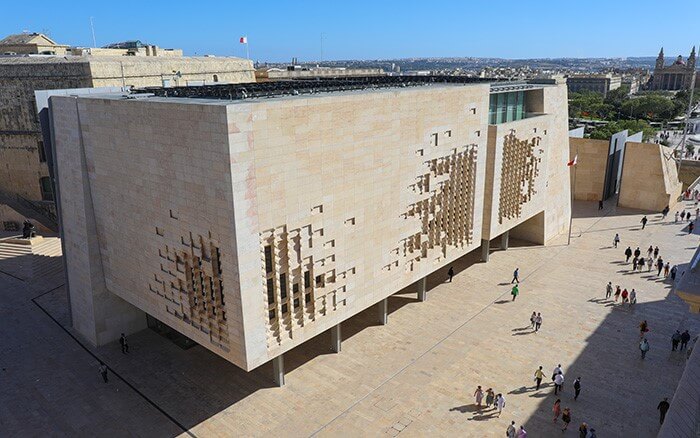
column 412, row 377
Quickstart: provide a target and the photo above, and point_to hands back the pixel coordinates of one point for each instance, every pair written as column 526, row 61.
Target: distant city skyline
column 278, row 31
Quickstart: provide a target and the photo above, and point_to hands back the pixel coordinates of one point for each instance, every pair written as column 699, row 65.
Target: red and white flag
column 244, row 40
column 573, row 162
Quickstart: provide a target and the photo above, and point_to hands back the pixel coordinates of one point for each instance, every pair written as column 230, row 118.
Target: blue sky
column 362, row 29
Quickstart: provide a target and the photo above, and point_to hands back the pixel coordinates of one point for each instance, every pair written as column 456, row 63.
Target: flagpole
column 247, row 51
column 573, row 188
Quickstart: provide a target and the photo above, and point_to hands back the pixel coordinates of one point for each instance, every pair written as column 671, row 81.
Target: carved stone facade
column 519, row 170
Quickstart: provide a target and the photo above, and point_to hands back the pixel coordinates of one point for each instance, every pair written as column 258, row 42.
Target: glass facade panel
column 506, row 107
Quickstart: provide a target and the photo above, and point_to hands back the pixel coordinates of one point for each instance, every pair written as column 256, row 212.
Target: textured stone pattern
column 519, row 169
column 326, row 181
column 298, row 288
column 191, row 286
column 445, row 211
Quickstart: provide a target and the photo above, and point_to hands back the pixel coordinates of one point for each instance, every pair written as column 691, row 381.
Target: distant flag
column 573, row 162
column 244, row 40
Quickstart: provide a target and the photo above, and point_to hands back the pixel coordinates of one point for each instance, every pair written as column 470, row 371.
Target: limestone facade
column 590, row 168
column 252, row 226
column 649, row 177
column 23, row 167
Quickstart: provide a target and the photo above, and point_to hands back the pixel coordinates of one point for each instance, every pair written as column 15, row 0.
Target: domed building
column 676, row 76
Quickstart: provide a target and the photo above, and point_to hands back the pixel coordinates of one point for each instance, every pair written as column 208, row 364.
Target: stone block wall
column 591, row 167
column 649, row 177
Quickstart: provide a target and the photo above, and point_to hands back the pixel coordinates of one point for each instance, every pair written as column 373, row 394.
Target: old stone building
column 253, row 218
column 24, row 174
column 676, row 76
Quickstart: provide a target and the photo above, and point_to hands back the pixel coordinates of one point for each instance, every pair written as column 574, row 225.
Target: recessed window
column 216, row 78
column 283, row 286
column 319, row 281
column 307, row 279
column 268, row 259
column 270, row 291
column 434, row 139
column 46, row 190
column 42, row 152
column 448, row 134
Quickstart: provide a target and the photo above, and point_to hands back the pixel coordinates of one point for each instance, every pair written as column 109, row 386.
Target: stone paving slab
column 412, row 377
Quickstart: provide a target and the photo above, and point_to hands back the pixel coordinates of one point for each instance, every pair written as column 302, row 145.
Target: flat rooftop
column 297, row 87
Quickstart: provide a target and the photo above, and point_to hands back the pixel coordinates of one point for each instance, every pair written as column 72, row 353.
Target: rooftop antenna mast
column 92, row 29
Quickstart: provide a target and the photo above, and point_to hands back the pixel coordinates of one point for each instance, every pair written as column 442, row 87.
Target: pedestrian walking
column 583, row 430
column 663, row 408
column 675, row 340
column 510, row 432
column 616, row 240
column 637, row 252
column 667, row 269
column 633, row 297
column 674, row 269
column 608, row 290
column 566, row 418
column 635, row 263
column 644, row 347
column 516, row 275
column 591, row 433
column 515, row 291
column 490, row 395
column 450, row 274
column 643, row 328
column 103, row 372
column 650, row 251
column 618, row 291
column 683, row 216
column 577, row 388
column 555, row 371
column 628, row 254
column 479, row 395
column 557, row 410
column 664, row 212
column 685, row 338
column 624, row 295
column 644, row 222
column 538, row 322
column 522, row 433
column 676, row 217
column 650, row 264
column 656, row 252
column 539, row 375
column 659, row 265
column 600, row 204
column 558, row 383
column 533, row 317
column 500, row 403
column 124, row 344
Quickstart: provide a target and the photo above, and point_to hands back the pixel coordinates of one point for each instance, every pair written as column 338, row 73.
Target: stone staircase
column 30, row 261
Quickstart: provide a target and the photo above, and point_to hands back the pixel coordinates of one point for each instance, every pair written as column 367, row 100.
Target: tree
column 652, row 107
column 632, row 126
column 589, row 105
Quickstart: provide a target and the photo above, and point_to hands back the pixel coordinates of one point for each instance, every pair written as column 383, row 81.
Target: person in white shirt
column 500, row 403
column 557, row 370
column 558, row 383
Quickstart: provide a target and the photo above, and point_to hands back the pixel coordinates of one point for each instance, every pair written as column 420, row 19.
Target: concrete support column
column 504, row 240
column 278, row 370
column 336, row 338
column 485, row 247
column 422, row 290
column 383, row 308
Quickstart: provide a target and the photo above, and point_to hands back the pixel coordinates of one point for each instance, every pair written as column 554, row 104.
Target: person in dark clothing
column 628, row 254
column 516, row 276
column 674, row 269
column 450, row 274
column 675, row 339
column 124, row 344
column 600, row 204
column 685, row 337
column 659, row 265
column 691, row 227
column 637, row 252
column 663, row 408
column 656, row 252
column 644, row 222
column 577, row 387
column 103, row 372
